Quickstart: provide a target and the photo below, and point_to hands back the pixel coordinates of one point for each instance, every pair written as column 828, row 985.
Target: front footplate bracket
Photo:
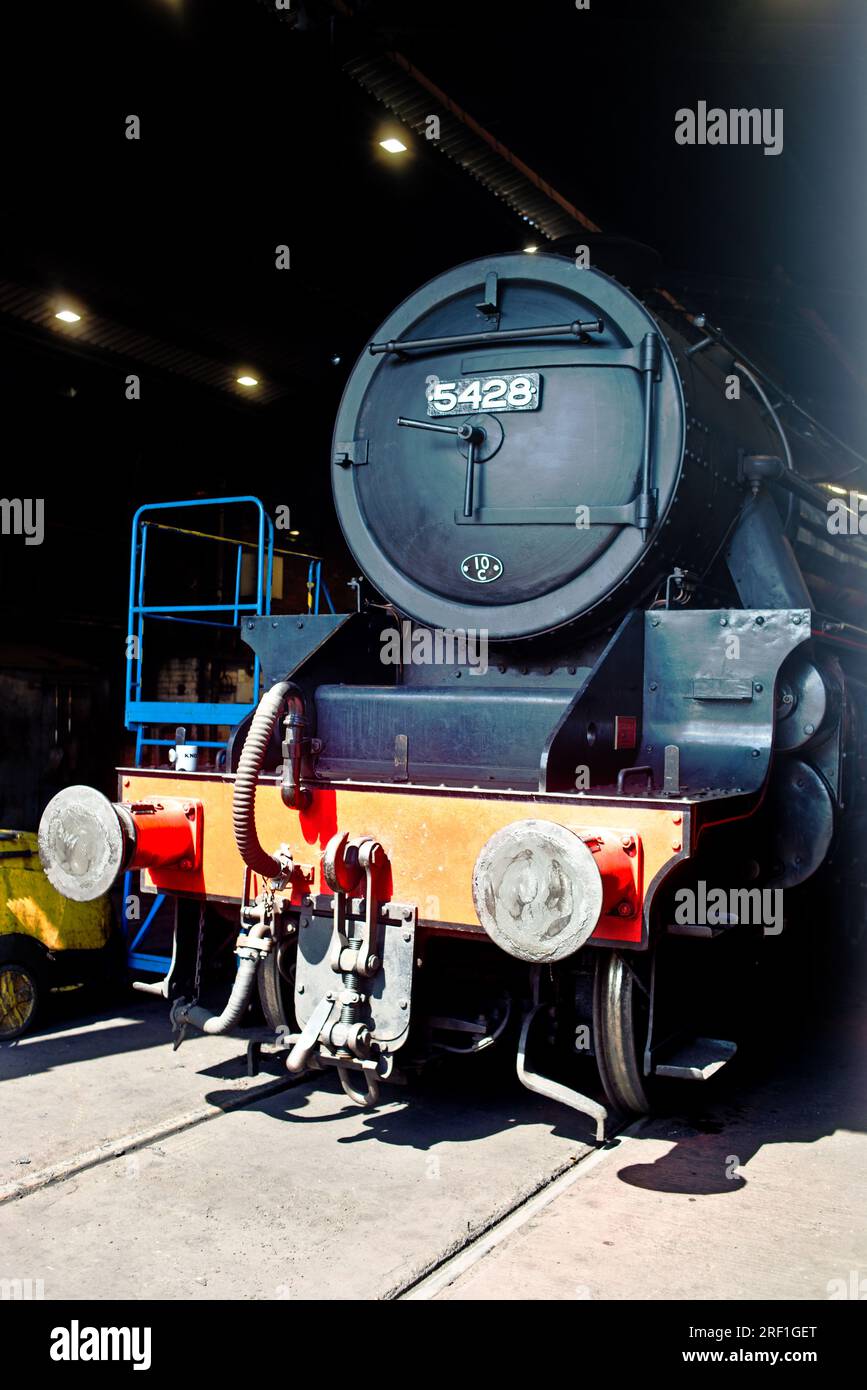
column 555, row 1090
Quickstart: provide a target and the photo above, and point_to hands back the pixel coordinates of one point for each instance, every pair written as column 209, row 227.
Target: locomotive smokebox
column 551, row 447
column 85, row 840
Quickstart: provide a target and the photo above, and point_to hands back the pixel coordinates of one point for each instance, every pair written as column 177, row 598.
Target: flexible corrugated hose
column 245, row 977
column 231, row 1016
column 249, row 768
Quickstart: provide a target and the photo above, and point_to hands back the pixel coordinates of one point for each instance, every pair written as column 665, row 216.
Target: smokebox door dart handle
column 472, row 434
column 468, row 485
column 464, row 431
column 576, row 329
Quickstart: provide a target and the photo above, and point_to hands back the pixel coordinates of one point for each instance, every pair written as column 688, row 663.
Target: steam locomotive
column 609, row 669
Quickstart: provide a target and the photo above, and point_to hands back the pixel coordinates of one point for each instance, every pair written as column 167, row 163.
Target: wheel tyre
column 619, row 1034
column 276, row 991
column 20, row 998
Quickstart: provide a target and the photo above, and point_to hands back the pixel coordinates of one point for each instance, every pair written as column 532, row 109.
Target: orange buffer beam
column 432, row 839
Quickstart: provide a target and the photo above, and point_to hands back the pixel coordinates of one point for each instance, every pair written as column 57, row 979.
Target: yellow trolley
column 47, row 942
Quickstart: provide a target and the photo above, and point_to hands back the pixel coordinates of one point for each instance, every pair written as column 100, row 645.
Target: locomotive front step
column 696, row 1060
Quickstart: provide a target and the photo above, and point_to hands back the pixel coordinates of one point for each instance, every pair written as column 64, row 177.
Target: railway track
column 277, row 1189
column 451, row 1190
column 433, row 1283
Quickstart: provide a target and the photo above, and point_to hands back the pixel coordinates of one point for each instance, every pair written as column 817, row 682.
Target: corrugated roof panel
column 96, row 331
column 392, row 80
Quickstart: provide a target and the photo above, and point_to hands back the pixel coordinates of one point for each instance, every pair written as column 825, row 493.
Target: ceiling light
column 247, row 380
column 294, row 535
column 393, row 145
column 68, row 316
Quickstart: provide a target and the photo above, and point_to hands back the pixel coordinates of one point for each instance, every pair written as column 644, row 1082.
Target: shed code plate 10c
column 510, row 391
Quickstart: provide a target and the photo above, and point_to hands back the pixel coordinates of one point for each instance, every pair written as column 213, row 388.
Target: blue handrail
column 137, row 712
column 316, row 586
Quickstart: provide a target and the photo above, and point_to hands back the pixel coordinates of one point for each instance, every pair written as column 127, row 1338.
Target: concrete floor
column 755, row 1190
column 82, row 1084
column 761, row 1195
column 298, row 1194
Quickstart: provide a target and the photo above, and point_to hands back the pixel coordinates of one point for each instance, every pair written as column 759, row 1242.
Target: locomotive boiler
column 608, row 671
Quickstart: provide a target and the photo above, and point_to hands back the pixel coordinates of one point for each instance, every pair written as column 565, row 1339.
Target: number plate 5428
column 468, row 395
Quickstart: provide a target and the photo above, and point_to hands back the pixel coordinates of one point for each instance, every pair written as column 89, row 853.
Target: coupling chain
column 197, row 982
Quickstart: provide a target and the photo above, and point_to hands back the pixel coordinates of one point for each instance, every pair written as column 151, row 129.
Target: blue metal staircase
column 149, row 719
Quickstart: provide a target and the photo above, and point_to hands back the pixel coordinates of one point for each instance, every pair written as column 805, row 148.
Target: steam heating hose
column 249, row 846
column 249, row 768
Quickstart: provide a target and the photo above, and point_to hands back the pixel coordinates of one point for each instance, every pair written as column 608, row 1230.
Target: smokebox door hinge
column 351, row 451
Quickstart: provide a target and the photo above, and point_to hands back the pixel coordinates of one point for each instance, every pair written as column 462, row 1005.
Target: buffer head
column 537, row 890
column 82, row 845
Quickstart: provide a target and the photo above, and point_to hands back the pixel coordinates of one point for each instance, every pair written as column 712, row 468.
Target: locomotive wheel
column 276, row 982
column 620, row 1012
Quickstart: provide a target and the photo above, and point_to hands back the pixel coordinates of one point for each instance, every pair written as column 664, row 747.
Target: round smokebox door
column 537, row 890
column 538, row 527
